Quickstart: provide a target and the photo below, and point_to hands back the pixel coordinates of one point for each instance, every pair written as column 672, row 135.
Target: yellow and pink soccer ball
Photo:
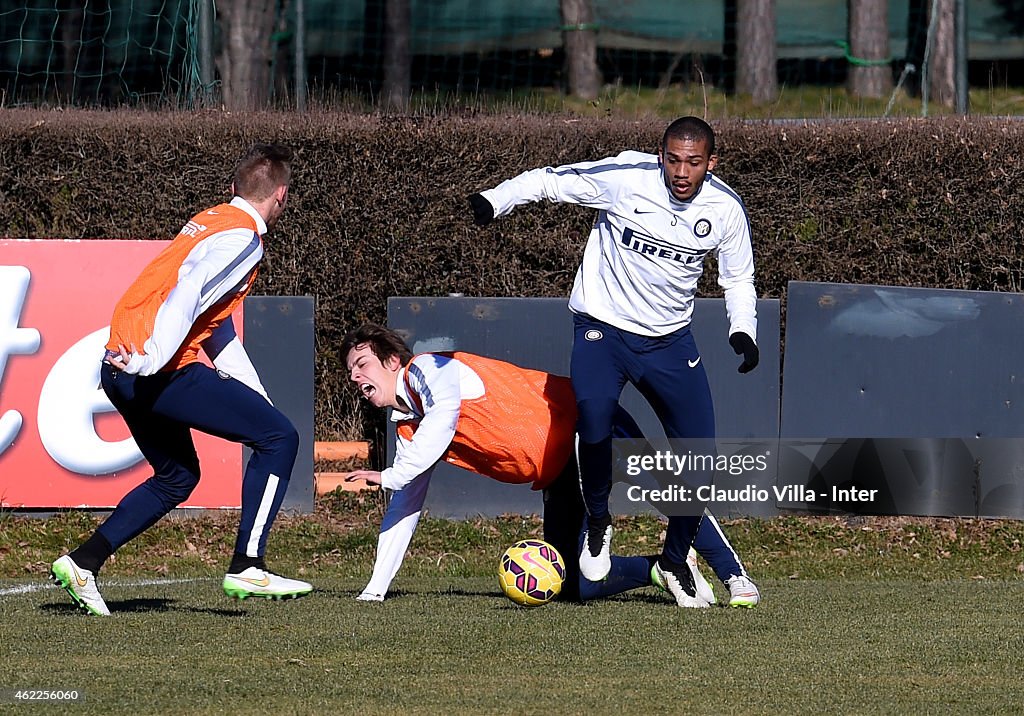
column 531, row 572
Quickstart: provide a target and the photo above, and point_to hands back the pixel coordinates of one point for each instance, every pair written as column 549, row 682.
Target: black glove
column 742, row 343
column 483, row 212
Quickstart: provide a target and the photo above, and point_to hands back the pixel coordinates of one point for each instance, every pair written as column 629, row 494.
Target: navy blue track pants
column 161, row 410
column 668, row 372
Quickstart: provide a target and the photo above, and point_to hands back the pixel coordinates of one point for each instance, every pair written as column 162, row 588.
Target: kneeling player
column 508, row 423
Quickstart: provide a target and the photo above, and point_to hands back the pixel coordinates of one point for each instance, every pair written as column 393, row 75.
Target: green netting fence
column 115, row 52
column 107, row 53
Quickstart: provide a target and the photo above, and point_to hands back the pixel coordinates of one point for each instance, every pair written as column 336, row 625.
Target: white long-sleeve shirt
column 646, row 250
column 440, row 385
column 189, row 292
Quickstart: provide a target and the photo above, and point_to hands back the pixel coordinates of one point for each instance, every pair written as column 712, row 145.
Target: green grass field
column 863, row 615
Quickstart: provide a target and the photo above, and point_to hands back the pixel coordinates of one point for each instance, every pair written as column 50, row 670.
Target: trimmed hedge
column 378, row 205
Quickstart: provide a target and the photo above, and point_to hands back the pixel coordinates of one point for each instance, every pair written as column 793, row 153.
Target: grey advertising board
column 278, row 336
column 915, row 393
column 893, row 400
column 537, row 333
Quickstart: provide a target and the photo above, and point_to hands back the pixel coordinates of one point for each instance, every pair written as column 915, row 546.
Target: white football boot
column 704, row 589
column 596, row 556
column 256, row 582
column 679, row 583
column 742, row 592
column 80, row 584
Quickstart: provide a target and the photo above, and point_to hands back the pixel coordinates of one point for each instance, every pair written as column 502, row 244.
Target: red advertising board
column 62, row 444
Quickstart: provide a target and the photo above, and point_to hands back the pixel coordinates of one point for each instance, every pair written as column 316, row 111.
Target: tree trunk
column 580, row 41
column 869, row 41
column 397, row 60
column 71, row 19
column 244, row 62
column 941, row 60
column 756, row 75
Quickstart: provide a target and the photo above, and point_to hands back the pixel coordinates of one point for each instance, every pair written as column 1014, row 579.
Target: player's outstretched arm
column 586, row 183
column 396, row 531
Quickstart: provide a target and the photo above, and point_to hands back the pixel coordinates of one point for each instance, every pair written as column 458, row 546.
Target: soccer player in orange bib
column 180, row 304
column 501, row 421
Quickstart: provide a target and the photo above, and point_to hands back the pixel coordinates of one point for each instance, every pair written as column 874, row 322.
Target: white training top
column 440, row 384
column 213, row 272
column 646, row 251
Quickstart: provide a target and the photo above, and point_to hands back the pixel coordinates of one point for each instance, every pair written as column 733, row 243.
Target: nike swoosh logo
column 693, row 363
column 526, row 557
column 637, row 211
column 213, row 213
column 81, row 582
column 265, row 582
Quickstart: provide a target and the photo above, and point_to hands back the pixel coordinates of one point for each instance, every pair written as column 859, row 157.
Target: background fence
column 171, row 52
column 860, row 411
column 99, row 53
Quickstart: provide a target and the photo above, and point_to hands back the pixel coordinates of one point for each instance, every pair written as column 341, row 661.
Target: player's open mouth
column 367, row 389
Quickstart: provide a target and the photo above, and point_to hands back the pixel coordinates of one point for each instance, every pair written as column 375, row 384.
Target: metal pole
column 206, row 77
column 300, row 55
column 960, row 58
column 926, row 75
